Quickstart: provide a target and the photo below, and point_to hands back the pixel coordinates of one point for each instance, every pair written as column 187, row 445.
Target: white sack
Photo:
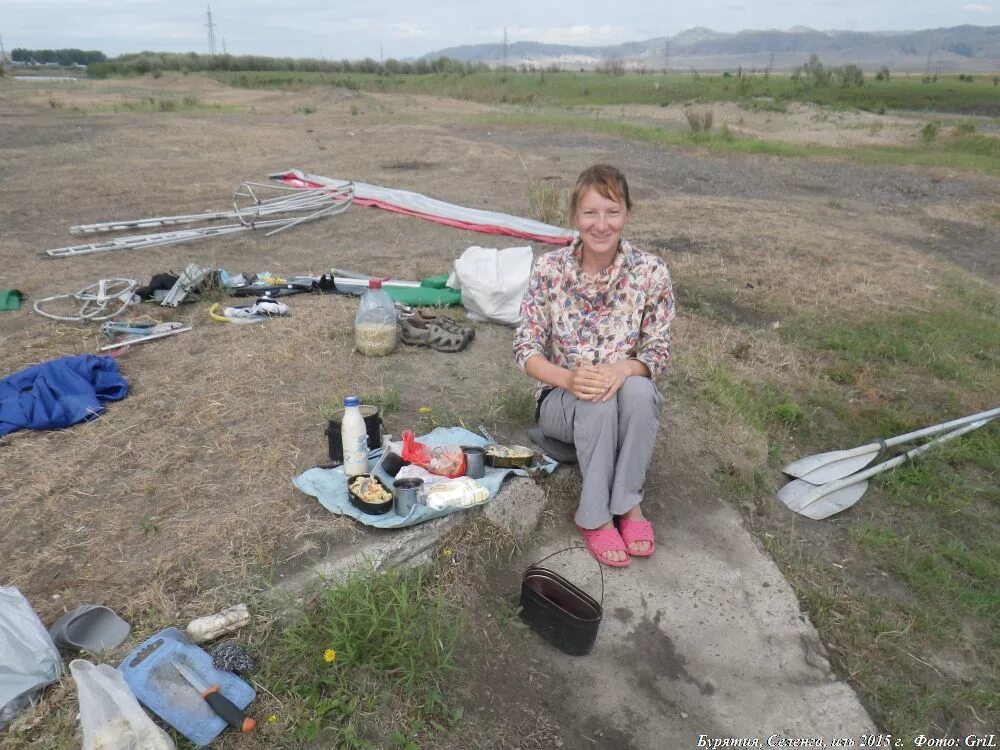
column 492, row 282
column 29, row 659
column 110, row 715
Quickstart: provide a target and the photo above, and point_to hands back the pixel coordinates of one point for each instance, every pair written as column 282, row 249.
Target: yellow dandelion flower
column 272, row 719
column 425, row 410
column 329, row 655
column 447, row 552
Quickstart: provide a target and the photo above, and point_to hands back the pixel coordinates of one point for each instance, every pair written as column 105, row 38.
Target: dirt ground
column 178, row 500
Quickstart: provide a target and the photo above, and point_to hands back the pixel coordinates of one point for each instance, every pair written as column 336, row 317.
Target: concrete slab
column 704, row 638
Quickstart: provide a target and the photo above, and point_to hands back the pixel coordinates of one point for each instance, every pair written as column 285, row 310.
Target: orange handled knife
column 220, row 704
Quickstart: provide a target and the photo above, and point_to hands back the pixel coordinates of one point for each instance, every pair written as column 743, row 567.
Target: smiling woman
column 595, row 331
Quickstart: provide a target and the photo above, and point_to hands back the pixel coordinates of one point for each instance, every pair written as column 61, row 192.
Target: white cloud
column 977, row 8
column 406, row 31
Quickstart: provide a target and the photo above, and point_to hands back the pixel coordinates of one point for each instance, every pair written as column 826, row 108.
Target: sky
column 375, row 28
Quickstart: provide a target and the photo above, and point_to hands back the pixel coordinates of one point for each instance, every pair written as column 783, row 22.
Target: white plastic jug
column 375, row 332
column 355, row 438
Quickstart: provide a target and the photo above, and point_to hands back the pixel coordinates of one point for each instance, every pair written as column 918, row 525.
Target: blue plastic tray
column 161, row 689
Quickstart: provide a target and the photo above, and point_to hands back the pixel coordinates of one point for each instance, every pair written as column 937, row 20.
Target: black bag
column 561, row 612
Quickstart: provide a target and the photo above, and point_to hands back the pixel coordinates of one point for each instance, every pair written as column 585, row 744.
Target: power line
column 503, row 65
column 211, row 32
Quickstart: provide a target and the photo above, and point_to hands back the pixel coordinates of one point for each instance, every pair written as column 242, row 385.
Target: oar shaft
column 944, row 427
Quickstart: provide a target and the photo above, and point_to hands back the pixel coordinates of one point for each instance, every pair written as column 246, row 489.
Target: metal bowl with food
column 509, row 456
column 367, row 493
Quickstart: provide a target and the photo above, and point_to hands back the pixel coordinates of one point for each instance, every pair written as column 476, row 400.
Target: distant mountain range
column 956, row 49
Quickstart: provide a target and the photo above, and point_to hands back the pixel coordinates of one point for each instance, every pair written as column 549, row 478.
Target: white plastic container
column 354, row 435
column 210, row 627
column 375, row 333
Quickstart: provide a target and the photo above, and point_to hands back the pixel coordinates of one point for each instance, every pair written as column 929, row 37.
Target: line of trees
column 58, row 56
column 817, row 74
column 143, row 63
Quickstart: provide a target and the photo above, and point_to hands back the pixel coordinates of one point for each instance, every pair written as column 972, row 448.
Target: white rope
column 94, row 300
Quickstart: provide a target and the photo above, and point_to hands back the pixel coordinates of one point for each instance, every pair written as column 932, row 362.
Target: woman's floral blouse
column 573, row 319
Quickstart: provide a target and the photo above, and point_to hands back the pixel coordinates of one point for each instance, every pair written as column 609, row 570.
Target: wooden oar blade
column 819, row 501
column 834, row 502
column 837, row 468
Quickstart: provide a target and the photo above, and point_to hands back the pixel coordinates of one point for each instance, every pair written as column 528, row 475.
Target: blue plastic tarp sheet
column 329, row 486
column 59, row 393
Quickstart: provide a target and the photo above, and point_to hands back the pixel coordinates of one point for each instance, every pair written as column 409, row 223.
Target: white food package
column 456, row 493
column 110, row 715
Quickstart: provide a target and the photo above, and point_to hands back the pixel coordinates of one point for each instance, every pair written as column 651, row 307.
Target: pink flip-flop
column 637, row 531
column 599, row 541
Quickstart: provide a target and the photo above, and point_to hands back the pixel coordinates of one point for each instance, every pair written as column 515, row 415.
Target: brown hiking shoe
column 418, row 332
column 447, row 323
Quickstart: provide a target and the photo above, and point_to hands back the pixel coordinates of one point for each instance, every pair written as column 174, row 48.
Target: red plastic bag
column 444, row 460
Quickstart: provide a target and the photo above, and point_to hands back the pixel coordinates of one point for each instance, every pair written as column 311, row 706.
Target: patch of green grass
column 955, row 576
column 368, row 663
column 152, row 104
column 965, row 127
column 444, row 416
column 959, row 475
column 887, row 644
column 760, row 405
column 956, row 340
column 930, row 131
column 571, row 89
column 387, row 398
column 516, row 402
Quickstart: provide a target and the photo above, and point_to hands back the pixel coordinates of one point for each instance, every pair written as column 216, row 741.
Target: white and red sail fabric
column 423, row 207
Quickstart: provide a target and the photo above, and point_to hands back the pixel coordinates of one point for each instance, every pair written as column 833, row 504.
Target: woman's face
column 600, row 221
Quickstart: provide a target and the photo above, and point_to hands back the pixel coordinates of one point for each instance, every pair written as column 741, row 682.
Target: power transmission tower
column 224, row 50
column 211, row 32
column 666, row 55
column 3, row 55
column 503, row 64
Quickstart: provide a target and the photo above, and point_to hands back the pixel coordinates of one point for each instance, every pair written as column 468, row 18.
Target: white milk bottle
column 354, row 435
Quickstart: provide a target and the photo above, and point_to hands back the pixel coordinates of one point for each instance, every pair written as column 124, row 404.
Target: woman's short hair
column 608, row 181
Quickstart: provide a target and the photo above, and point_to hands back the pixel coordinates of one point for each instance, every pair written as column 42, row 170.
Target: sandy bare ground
column 178, row 500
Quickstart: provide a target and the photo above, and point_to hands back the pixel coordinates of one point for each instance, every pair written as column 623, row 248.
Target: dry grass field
column 822, row 302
